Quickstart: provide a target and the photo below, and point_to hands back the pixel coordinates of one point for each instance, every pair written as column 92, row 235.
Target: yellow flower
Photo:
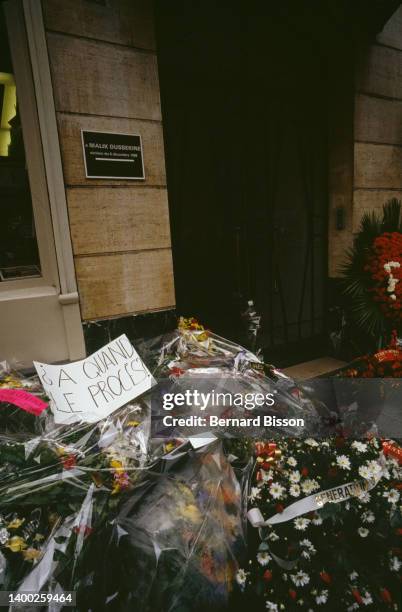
column 202, row 337
column 191, row 513
column 169, row 446
column 185, row 491
column 16, row 544
column 116, row 489
column 116, row 465
column 15, row 523
column 133, row 423
column 30, row 554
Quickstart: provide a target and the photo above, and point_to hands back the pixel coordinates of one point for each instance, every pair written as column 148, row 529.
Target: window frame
column 27, row 102
column 29, row 52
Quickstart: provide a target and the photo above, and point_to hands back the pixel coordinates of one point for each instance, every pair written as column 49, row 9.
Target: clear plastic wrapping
column 57, row 487
column 175, row 542
column 194, row 360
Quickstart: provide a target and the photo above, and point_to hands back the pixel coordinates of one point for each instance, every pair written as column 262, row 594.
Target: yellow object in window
column 8, row 110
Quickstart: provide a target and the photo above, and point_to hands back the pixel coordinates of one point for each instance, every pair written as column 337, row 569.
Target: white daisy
column 307, row 544
column 276, row 490
column 255, row 493
column 311, row 442
column 392, row 496
column 354, row 606
column 374, row 467
column 322, row 597
column 273, row 537
column 364, row 497
column 271, row 606
column 366, row 598
column 395, row 564
column 263, row 558
column 292, row 461
column 309, row 485
column 266, row 476
column 241, row 577
column 301, row 523
column 4, row 535
column 353, row 575
column 317, row 520
column 364, row 472
column 343, row 462
column 300, row 578
column 294, row 490
column 363, row 532
column 368, row 517
column 360, row 447
column 294, row 476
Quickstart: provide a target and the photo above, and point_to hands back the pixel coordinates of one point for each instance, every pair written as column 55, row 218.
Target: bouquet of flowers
column 56, row 487
column 329, row 519
column 15, row 387
column 194, row 358
column 174, row 542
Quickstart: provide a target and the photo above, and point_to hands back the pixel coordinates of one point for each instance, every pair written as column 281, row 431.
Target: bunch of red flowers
column 384, row 364
column 384, row 265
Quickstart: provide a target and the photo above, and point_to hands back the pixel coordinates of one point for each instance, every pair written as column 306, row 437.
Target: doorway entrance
column 244, row 102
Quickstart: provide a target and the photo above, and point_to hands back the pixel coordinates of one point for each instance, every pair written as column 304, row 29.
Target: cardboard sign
column 112, row 156
column 91, row 389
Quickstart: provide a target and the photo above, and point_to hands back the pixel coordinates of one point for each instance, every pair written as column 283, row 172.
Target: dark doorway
column 245, row 111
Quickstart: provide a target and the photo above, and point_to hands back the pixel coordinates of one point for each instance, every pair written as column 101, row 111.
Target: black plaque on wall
column 113, row 156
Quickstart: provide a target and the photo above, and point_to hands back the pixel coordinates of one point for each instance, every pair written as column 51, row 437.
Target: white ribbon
column 313, row 502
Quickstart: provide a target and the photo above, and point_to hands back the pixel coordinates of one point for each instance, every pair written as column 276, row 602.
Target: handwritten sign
column 91, row 389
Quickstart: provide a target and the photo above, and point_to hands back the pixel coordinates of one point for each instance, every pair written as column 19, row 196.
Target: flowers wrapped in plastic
column 15, row 388
column 55, row 488
column 175, row 541
column 229, row 384
column 328, row 525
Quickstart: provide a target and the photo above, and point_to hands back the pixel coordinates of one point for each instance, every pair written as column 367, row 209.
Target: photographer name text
column 215, row 421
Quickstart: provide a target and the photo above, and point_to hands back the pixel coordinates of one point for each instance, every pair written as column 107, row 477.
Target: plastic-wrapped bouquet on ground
column 226, row 383
column 328, row 525
column 174, row 543
column 55, row 488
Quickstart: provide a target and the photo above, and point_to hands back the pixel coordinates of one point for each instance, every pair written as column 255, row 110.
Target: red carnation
column 279, row 508
column 292, row 593
column 304, row 471
column 69, row 462
column 386, row 595
column 325, row 577
column 357, row 596
column 267, row 575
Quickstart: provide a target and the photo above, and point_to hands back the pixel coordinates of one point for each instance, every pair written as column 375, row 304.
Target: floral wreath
column 345, row 555
column 373, row 272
